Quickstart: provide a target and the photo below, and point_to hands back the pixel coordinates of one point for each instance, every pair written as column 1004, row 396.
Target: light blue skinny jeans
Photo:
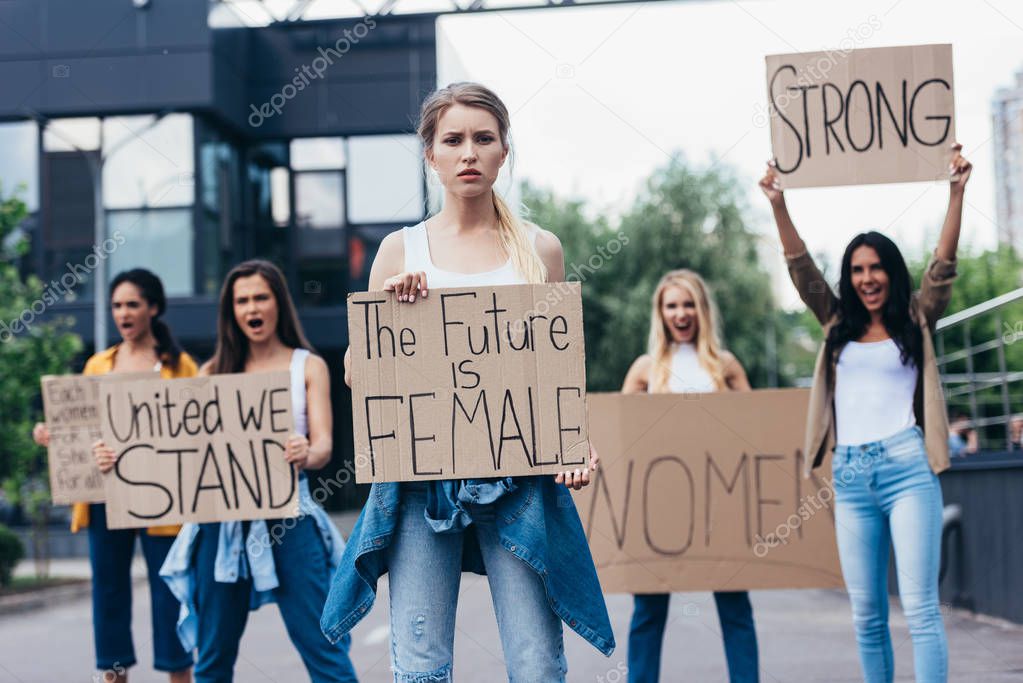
column 425, row 568
column 886, row 493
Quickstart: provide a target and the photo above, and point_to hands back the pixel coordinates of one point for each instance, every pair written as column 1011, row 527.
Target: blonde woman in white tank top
column 685, row 357
column 523, row 533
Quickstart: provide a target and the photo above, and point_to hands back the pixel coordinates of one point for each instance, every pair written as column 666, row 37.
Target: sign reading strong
column 878, row 115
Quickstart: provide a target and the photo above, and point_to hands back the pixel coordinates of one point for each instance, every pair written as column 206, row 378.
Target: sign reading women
column 705, row 492
column 466, row 383
column 878, row 115
column 200, row 449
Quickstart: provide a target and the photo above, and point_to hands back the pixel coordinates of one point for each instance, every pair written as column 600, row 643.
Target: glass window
column 317, row 154
column 160, row 240
column 385, row 179
column 19, row 162
column 220, row 207
column 280, row 196
column 363, row 243
column 69, row 135
column 74, row 268
column 319, row 200
column 267, row 239
column 149, row 162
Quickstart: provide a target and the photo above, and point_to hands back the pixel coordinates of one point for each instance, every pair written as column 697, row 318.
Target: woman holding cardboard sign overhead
column 222, row 570
column 877, row 395
column 685, row 356
column 524, row 533
column 136, row 301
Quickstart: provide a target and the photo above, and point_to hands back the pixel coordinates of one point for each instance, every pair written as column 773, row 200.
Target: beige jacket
column 926, row 307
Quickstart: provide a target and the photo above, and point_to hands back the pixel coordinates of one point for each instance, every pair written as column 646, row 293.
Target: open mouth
column 684, row 326
column 871, row 295
column 127, row 325
column 254, row 324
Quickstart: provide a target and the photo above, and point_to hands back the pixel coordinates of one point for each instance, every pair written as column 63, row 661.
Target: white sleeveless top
column 687, row 376
column 298, row 405
column 873, row 392
column 417, row 258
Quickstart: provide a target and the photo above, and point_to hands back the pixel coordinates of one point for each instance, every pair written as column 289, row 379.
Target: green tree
column 29, row 348
column 686, row 218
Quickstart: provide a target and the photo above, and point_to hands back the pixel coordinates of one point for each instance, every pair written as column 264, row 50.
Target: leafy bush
column 11, row 552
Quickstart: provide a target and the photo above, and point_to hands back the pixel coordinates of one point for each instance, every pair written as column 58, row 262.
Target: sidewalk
column 805, row 637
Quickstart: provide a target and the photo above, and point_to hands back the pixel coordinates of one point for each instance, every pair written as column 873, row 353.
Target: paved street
column 804, row 636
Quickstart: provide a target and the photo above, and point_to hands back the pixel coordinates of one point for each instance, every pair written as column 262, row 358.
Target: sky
column 603, row 96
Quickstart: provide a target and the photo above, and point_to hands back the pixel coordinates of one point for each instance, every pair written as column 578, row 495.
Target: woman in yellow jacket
column 137, row 301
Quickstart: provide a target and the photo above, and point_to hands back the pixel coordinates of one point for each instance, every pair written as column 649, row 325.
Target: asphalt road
column 804, row 636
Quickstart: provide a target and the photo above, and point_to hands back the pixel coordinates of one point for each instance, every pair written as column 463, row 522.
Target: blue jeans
column 110, row 555
column 425, row 569
column 302, row 568
column 886, row 493
column 646, row 634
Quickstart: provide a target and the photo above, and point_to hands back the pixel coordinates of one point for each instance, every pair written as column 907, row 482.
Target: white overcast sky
column 601, row 96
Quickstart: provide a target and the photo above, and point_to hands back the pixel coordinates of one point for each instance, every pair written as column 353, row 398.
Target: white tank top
column 298, row 405
column 873, row 393
column 417, row 258
column 687, row 376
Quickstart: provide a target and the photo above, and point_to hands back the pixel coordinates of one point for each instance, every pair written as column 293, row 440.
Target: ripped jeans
column 425, row 569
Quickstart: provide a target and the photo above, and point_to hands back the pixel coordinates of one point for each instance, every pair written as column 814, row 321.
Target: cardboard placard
column 705, row 492
column 71, row 412
column 468, row 382
column 855, row 117
column 199, row 449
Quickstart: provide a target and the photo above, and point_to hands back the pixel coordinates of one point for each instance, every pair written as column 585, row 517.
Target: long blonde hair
column 512, row 231
column 708, row 341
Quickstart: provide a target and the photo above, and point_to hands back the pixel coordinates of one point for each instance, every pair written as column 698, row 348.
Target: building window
column 218, row 185
column 148, row 194
column 19, row 163
column 317, row 154
column 319, row 199
column 385, row 179
column 157, row 239
column 318, row 176
column 72, row 135
column 149, row 162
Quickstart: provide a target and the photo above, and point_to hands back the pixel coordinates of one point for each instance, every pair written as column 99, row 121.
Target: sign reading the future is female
column 467, row 383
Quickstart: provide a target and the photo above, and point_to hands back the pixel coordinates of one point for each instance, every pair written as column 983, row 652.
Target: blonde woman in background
column 524, row 533
column 685, row 356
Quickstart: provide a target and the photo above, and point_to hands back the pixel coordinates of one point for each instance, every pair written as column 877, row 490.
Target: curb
column 12, row 605
column 39, row 599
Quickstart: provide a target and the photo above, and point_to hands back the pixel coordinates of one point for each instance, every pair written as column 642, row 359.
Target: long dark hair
column 232, row 344
column 151, row 288
column 853, row 317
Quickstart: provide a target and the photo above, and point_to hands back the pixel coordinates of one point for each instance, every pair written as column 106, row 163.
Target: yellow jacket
column 100, row 364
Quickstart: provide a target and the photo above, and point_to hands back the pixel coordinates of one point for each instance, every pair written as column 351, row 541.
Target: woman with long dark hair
column 877, row 395
column 137, row 302
column 220, row 571
column 524, row 533
column 685, row 355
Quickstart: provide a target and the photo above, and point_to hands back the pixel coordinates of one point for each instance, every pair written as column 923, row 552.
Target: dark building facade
column 292, row 142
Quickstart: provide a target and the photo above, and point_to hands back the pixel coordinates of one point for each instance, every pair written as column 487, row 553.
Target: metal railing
column 982, row 368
